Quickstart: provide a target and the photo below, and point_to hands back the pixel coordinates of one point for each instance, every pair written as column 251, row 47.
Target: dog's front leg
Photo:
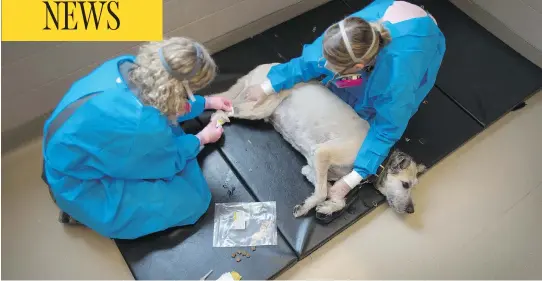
column 342, row 153
column 321, row 167
column 310, row 175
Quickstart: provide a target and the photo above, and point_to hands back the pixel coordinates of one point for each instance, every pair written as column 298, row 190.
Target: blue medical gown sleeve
column 197, row 108
column 394, row 105
column 123, row 139
column 300, row 69
column 156, row 152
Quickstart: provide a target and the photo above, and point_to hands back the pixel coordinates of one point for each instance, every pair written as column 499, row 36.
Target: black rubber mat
column 187, row 253
column 271, row 167
column 479, row 71
column 480, row 80
column 289, row 37
column 272, row 170
column 438, row 128
column 236, row 61
column 357, row 5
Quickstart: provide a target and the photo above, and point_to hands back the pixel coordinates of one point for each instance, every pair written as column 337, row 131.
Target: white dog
column 329, row 133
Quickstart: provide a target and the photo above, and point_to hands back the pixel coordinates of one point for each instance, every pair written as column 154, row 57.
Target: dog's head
column 400, row 175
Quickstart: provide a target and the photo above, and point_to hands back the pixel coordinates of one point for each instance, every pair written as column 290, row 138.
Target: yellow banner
column 113, row 20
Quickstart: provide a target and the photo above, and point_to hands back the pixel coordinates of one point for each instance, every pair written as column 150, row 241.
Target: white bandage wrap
column 231, row 113
column 352, row 179
column 268, row 87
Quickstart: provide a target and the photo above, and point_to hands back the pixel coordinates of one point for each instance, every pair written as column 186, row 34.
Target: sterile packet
column 245, row 224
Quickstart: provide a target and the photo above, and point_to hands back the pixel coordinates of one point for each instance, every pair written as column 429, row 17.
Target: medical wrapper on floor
column 245, row 224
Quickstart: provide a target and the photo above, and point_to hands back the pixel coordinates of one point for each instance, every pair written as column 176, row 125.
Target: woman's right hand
column 211, row 133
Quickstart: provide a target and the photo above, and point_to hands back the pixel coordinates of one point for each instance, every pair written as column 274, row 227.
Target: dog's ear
column 421, row 169
column 399, row 162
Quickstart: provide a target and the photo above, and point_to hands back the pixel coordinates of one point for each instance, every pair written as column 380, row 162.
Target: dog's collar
column 374, row 178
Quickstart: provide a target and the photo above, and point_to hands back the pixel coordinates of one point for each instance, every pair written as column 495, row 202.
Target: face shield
column 349, row 76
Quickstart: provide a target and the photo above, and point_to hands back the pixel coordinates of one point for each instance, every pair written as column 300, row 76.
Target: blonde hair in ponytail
column 359, row 33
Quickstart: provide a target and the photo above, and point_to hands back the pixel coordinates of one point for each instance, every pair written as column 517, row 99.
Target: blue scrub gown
column 118, row 166
column 404, row 73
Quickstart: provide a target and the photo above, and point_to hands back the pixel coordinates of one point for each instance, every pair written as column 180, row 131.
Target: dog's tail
column 245, row 109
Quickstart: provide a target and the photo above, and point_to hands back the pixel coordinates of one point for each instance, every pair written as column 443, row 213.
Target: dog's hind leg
column 247, row 109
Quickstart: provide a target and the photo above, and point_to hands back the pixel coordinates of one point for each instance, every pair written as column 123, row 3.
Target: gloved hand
column 211, row 133
column 339, row 190
column 336, row 198
column 218, row 103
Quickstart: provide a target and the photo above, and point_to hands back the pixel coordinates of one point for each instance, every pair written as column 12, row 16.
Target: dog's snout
column 410, row 208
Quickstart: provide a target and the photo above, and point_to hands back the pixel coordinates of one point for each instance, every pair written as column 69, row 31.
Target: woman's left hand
column 218, row 103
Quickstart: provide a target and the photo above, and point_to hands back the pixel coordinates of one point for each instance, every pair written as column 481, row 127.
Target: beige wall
column 36, row 75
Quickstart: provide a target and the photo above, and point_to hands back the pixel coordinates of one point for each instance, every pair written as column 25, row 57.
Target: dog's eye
column 406, row 185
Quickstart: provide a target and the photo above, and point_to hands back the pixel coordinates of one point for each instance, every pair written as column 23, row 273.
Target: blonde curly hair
column 160, row 89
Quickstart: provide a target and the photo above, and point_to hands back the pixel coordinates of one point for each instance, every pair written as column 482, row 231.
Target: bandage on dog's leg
column 245, row 109
column 220, row 117
column 232, row 112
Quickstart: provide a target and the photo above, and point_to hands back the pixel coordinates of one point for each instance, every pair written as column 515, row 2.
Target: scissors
column 206, row 275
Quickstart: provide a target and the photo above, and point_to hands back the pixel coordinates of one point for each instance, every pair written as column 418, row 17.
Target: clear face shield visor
column 349, row 76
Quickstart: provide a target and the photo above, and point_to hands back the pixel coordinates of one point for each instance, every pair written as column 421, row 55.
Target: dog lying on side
column 329, row 133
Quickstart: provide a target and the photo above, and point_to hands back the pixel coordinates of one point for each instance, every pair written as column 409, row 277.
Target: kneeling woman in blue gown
column 115, row 158
column 396, row 48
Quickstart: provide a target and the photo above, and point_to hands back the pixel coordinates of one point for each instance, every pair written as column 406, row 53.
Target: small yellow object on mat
column 236, row 276
column 230, row 276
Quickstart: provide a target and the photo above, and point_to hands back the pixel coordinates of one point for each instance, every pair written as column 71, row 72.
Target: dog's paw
column 330, row 206
column 306, row 170
column 300, row 210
